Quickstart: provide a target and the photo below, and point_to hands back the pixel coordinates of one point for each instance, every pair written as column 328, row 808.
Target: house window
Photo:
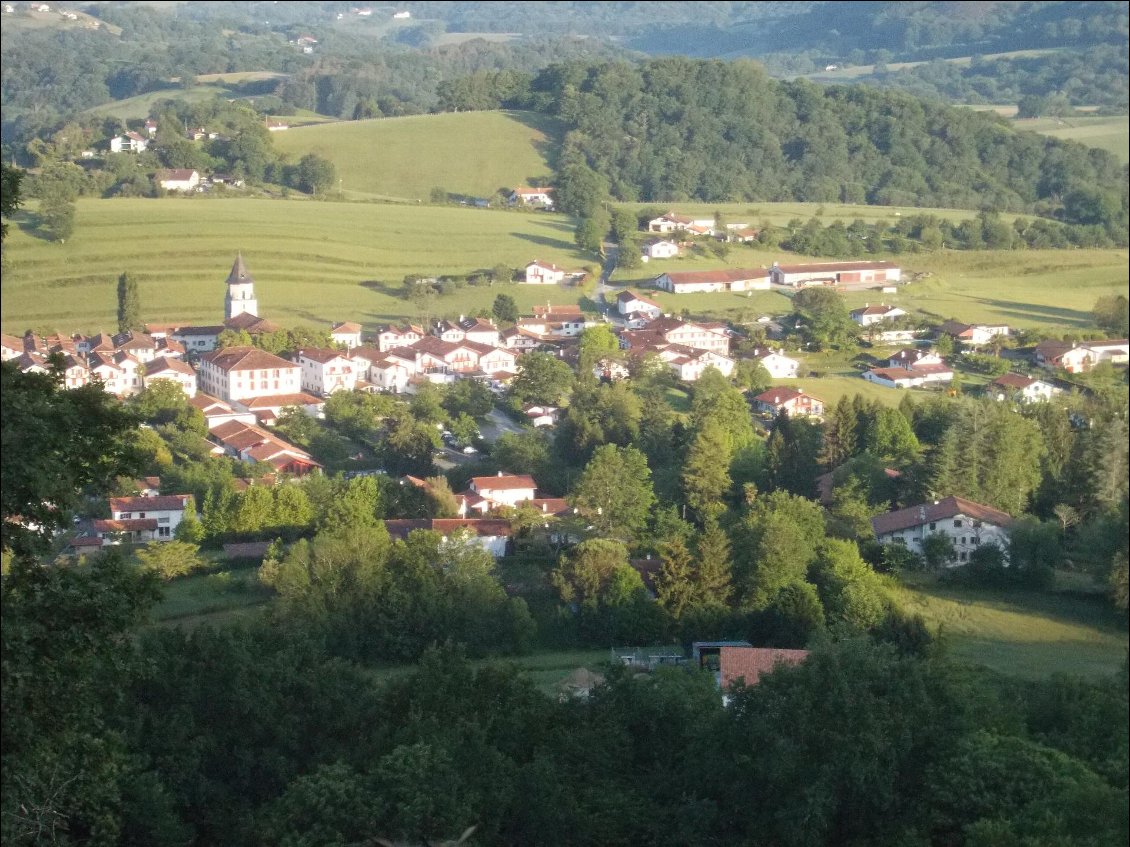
column 163, row 520
column 933, row 525
column 163, row 532
column 962, row 556
column 125, row 516
column 976, row 524
column 957, row 523
column 141, row 514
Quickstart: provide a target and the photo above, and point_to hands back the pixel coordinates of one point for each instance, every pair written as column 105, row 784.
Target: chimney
column 500, row 473
column 922, row 514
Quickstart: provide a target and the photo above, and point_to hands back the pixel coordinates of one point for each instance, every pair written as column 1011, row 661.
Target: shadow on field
column 557, row 243
column 1031, row 311
column 32, row 225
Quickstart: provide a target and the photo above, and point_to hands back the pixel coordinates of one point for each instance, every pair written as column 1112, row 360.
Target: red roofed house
column 659, row 248
column 254, row 444
column 1081, row 357
column 629, row 301
column 144, row 518
column 791, row 400
column 869, row 314
column 326, row 371
column 178, row 179
column 174, row 370
column 394, row 336
column 544, row 273
column 240, row 373
column 1024, row 388
column 967, row 524
column 492, row 492
column 488, row 533
column 973, row 335
column 745, row 665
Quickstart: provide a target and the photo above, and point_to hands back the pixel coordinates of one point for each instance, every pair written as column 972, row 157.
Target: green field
column 780, row 214
column 1106, row 133
column 1019, row 633
column 313, row 262
column 473, row 153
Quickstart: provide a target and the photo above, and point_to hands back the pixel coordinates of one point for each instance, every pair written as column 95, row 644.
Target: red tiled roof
column 894, row 374
column 246, row 359
column 322, row 355
column 164, row 503
column 347, row 326
column 165, row 363
column 128, row 525
column 281, row 400
column 628, row 296
column 400, row 527
column 506, row 482
column 948, row 508
column 747, row 664
column 1018, row 381
column 178, row 174
column 780, row 396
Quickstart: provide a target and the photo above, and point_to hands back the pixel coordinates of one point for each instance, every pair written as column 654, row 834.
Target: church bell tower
column 240, row 297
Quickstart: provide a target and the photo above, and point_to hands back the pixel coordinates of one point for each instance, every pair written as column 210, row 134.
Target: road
column 495, row 424
column 607, row 308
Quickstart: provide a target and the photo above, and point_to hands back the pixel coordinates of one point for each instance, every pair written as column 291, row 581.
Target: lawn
column 1106, row 133
column 779, row 214
column 1028, row 634
column 313, row 262
column 473, row 153
column 210, row 597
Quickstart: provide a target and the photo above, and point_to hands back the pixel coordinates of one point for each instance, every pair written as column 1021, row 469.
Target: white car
column 469, row 450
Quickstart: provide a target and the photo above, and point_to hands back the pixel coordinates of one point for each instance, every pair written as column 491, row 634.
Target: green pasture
column 1028, row 634
column 210, row 597
column 471, row 153
column 142, row 105
column 780, row 214
column 313, row 262
column 1106, row 133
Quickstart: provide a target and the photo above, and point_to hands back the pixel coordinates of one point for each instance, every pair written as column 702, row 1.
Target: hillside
column 472, row 154
column 313, row 262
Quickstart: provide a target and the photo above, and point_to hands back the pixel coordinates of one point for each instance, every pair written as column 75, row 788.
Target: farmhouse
column 326, row 371
column 835, row 273
column 629, row 302
column 914, row 357
column 776, row 363
column 966, row 524
column 519, row 340
column 145, row 518
column 178, row 179
column 689, row 282
column 973, row 335
column 379, row 370
column 554, row 321
column 399, row 336
column 173, row 370
column 869, row 314
column 131, row 142
column 491, row 492
column 539, row 197
column 790, row 400
column 544, row 273
column 1024, row 388
column 909, row 377
column 672, row 222
column 689, row 364
column 240, row 373
column 217, row 412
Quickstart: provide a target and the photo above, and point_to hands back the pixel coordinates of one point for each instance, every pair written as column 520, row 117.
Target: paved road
column 495, row 424
column 607, row 306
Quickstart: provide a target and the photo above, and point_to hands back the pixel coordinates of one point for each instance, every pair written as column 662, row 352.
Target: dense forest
column 284, row 729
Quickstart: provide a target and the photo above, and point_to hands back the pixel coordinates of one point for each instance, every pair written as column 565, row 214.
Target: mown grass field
column 1019, row 633
column 313, row 262
column 472, row 153
column 1106, row 133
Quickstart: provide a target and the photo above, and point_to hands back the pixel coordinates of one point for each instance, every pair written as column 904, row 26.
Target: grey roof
column 239, row 272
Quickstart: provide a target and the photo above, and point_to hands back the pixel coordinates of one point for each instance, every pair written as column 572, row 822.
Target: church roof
column 239, row 272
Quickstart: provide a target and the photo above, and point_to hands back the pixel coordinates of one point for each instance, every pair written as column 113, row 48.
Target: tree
column 505, row 310
column 502, row 273
column 1112, row 314
column 713, row 573
column 55, row 443
column 129, row 304
column 674, row 588
column 57, row 218
column 706, row 471
column 775, row 544
column 10, row 179
column 839, row 436
column 824, row 315
column 938, row 551
column 750, row 375
column 889, row 437
column 848, row 587
column 169, row 559
column 543, row 379
column 614, row 492
column 314, row 174
column 591, row 230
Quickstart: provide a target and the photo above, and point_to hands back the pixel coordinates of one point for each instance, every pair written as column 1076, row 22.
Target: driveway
column 495, row 424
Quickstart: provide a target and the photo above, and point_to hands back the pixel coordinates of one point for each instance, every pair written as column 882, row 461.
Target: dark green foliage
column 10, row 179
column 505, row 310
column 129, row 304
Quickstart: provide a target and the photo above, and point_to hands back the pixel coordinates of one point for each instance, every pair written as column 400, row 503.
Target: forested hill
column 679, row 129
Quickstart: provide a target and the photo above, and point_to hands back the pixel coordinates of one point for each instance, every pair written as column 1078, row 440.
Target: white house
column 689, row 364
column 704, row 335
column 479, row 331
column 1080, row 357
column 275, row 125
column 791, row 400
column 346, row 333
column 542, row 197
column 490, row 534
column 326, row 371
column 173, row 370
column 198, row 339
column 869, row 314
column 131, row 142
column 909, row 377
column 628, row 302
column 217, row 412
column 544, row 273
column 777, row 364
column 10, row 347
column 160, row 516
column 151, row 127
column 966, row 524
column 541, row 415
column 251, row 444
column 178, row 179
column 660, row 248
column 672, row 222
column 836, row 273
column 1025, row 388
column 690, row 282
column 914, row 357
column 973, row 335
column 240, row 373
column 399, row 336
column 491, row 492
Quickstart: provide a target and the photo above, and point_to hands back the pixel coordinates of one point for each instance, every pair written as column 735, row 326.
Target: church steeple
column 240, row 297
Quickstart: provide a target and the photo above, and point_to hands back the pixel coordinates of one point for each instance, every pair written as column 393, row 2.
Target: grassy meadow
column 313, row 262
column 472, row 153
column 1024, row 634
column 1111, row 133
